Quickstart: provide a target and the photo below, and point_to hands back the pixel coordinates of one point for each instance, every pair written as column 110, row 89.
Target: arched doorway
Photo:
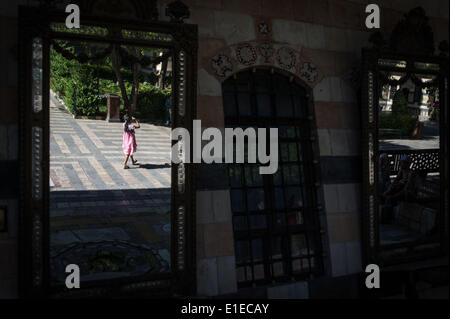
column 275, row 217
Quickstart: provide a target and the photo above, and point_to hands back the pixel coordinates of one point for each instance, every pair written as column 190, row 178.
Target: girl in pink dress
column 129, row 145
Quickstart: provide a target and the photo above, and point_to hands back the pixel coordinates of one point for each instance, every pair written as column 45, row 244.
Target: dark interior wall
column 220, row 26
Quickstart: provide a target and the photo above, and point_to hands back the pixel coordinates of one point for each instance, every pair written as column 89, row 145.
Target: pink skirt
column 129, row 143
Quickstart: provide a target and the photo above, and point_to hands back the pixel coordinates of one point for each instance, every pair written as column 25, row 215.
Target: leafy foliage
column 75, row 83
column 151, row 102
column 399, row 118
column 91, row 82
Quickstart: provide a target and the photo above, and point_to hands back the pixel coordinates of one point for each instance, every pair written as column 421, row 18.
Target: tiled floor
column 429, row 140
column 109, row 221
column 87, row 154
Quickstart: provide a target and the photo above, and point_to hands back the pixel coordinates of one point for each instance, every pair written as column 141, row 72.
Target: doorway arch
column 276, row 222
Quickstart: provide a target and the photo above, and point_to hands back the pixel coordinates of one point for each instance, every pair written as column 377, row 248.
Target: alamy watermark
column 73, row 279
column 373, row 279
column 230, row 148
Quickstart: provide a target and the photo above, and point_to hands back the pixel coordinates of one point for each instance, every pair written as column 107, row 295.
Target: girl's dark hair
column 127, row 121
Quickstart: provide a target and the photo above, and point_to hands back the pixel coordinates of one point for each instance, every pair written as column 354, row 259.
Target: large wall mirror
column 404, row 109
column 128, row 227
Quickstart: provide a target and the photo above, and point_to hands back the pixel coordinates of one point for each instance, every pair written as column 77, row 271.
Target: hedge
column 93, row 81
column 399, row 118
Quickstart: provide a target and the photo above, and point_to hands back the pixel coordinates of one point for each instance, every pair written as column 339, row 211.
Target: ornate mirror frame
column 38, row 27
column 403, row 41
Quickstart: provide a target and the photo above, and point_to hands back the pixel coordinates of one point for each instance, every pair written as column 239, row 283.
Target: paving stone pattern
column 110, row 221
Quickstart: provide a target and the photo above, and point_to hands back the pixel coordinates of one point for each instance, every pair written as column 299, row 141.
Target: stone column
column 113, row 108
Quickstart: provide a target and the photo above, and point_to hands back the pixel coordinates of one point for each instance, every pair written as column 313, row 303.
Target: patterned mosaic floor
column 87, row 154
column 110, row 221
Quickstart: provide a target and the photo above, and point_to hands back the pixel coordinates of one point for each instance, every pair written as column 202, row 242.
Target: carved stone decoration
column 266, row 50
column 177, row 11
column 308, row 72
column 246, row 54
column 413, row 34
column 222, row 65
column 286, row 58
column 263, row 28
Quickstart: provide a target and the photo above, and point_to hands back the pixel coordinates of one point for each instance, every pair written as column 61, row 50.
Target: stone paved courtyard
column 104, row 217
column 429, row 140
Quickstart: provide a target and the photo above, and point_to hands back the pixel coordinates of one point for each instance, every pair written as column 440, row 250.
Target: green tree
column 399, row 103
column 135, row 59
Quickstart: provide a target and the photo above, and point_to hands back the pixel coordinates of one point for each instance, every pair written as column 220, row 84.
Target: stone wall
column 325, row 34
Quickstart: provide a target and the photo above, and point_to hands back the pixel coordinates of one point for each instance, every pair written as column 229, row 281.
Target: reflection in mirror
column 109, row 212
column 408, row 159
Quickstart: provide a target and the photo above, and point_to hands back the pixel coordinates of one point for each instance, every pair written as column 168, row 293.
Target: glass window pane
column 258, row 222
column 277, row 177
column 286, row 131
column 240, row 223
column 300, row 106
column 284, row 153
column 240, row 274
column 257, row 249
column 280, row 220
column 296, row 265
column 262, row 83
column 294, row 198
column 255, row 199
column 300, row 265
column 279, row 198
column 311, row 244
column 252, row 176
column 243, row 82
column 244, row 104
column 283, row 105
column 242, row 252
column 295, row 218
column 258, row 272
column 278, row 269
column 281, row 83
column 293, row 155
column 277, row 251
column 263, row 103
column 229, row 104
column 298, row 245
column 237, row 200
column 291, row 174
column 235, row 173
column 288, row 152
column 300, row 155
column 303, row 131
column 312, row 262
